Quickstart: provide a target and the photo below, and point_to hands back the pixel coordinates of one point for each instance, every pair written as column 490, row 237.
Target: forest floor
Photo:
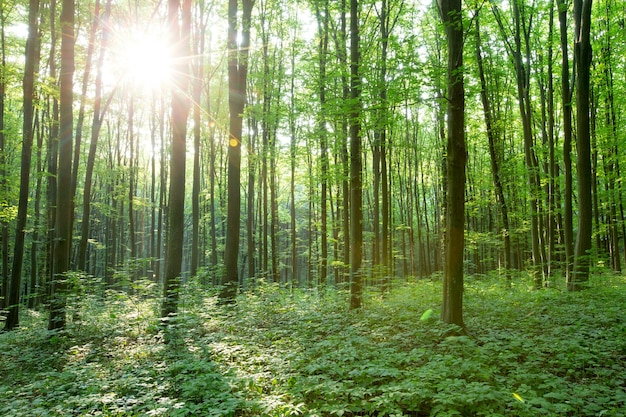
column 275, row 353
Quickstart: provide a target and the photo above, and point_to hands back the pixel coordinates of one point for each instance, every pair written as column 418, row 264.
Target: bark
column 293, row 146
column 96, row 124
column 83, row 98
column 611, row 161
column 179, row 17
column 28, row 86
column 63, row 224
column 495, row 166
column 322, row 15
column 34, row 287
column 198, row 79
column 452, row 309
column 4, row 224
column 250, row 223
column 237, row 76
column 582, row 54
column 566, row 98
column 356, row 185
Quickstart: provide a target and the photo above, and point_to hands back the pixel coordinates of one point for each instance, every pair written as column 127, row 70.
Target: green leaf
column 427, row 314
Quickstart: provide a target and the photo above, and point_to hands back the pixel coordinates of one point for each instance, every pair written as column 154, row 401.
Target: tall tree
column 566, row 102
column 63, row 224
column 452, row 309
column 356, row 182
column 237, row 78
column 198, row 81
column 96, row 125
column 322, row 15
column 4, row 223
column 380, row 152
column 28, row 86
column 582, row 59
column 179, row 23
column 495, row 165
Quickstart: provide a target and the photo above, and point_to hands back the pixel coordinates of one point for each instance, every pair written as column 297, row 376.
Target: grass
column 531, row 353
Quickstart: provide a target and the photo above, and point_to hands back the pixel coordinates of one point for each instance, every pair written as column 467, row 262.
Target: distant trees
column 327, row 136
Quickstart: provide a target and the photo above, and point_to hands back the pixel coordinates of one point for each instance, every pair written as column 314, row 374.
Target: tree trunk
column 495, row 166
column 83, row 98
column 237, row 76
column 180, row 28
column 96, row 124
column 34, row 287
column 322, row 16
column 4, row 224
column 63, row 225
column 13, row 302
column 356, row 185
column 582, row 53
column 293, row 146
column 566, row 98
column 198, row 80
column 452, row 309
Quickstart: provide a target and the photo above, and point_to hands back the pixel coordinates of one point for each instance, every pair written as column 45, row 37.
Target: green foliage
column 275, row 353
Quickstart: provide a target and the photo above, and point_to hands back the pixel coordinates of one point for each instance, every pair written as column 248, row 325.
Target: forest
column 312, row 207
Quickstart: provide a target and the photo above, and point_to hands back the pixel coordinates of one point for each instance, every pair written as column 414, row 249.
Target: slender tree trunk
column 132, row 169
column 566, row 98
column 322, row 16
column 53, row 151
column 4, row 224
column 212, row 198
column 63, row 225
column 250, row 223
column 293, row 146
column 356, row 185
column 341, row 42
column 552, row 164
column 28, row 86
column 582, row 53
column 179, row 18
column 198, row 79
column 83, row 98
column 452, row 309
column 611, row 161
column 495, row 166
column 96, row 125
column 34, row 288
column 237, row 76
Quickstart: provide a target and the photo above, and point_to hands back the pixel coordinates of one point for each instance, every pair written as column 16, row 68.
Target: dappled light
column 356, row 208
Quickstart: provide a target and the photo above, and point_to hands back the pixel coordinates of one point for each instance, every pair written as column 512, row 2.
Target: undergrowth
column 277, row 353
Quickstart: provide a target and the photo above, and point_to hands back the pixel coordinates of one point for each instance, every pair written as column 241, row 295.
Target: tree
column 322, row 15
column 96, row 125
column 566, row 100
column 495, row 165
column 452, row 310
column 356, row 184
column 582, row 59
column 64, row 214
column 179, row 19
column 4, row 223
column 198, row 79
column 28, row 84
column 237, row 78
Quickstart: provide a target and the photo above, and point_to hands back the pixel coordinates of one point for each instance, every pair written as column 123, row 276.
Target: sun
column 140, row 60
